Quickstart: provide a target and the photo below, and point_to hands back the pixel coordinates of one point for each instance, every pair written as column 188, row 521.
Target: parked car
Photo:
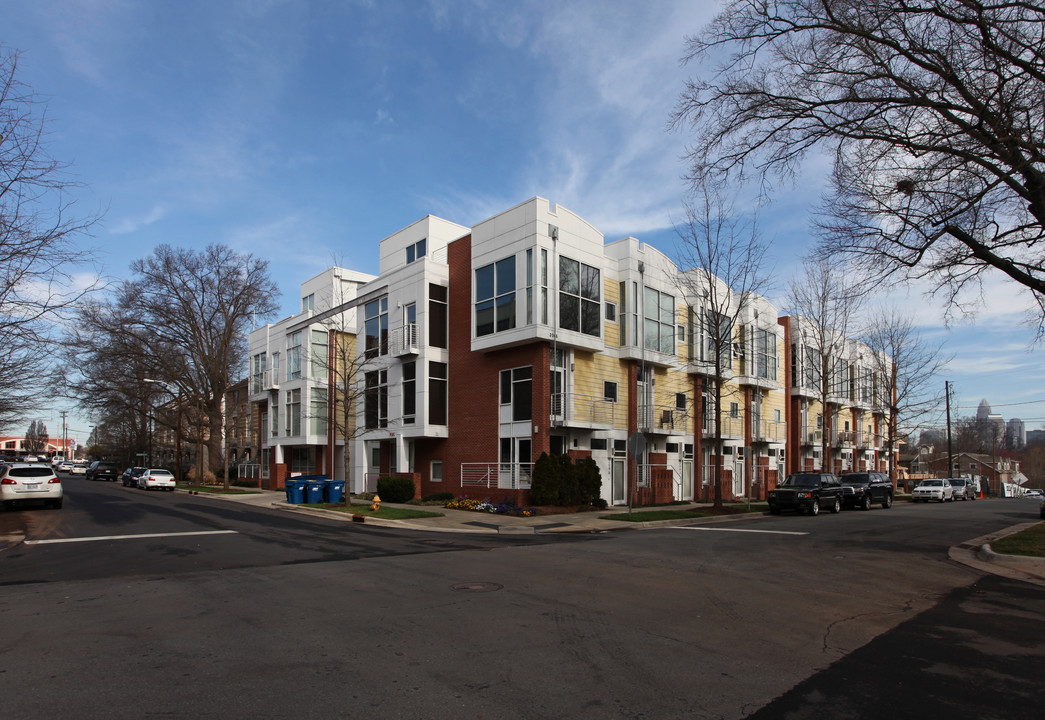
column 972, row 487
column 78, row 468
column 30, row 482
column 130, row 476
column 807, row 492
column 156, row 478
column 1034, row 493
column 936, row 489
column 958, row 489
column 103, row 470
column 864, row 489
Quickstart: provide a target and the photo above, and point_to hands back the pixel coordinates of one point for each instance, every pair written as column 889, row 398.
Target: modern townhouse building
column 481, row 348
column 289, row 378
column 838, row 404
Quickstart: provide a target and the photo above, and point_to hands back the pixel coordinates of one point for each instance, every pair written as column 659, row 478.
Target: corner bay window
column 658, row 321
column 580, row 297
column 495, row 297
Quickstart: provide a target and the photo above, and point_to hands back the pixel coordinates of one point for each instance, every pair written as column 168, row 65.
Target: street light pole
column 177, row 431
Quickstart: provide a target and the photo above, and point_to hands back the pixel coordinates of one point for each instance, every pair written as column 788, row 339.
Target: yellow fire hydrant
column 376, row 504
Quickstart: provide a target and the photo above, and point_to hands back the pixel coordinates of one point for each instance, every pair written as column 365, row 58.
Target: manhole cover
column 477, row 587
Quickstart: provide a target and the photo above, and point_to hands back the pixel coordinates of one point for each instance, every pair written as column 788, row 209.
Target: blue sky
column 305, row 131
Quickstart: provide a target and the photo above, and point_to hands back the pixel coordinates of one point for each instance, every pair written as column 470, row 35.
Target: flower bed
column 488, row 506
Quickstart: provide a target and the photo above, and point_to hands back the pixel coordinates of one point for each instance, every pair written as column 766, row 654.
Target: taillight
column 8, row 481
column 53, row 480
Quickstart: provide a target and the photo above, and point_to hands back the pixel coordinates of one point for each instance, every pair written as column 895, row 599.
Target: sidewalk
column 975, row 553
column 467, row 521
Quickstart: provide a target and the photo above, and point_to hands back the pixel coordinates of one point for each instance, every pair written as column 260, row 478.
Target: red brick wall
column 474, row 388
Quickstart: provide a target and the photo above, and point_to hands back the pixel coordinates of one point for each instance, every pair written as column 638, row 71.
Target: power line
column 1028, row 402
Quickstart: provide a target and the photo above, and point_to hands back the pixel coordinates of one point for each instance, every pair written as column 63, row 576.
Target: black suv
column 103, row 470
column 864, row 489
column 807, row 492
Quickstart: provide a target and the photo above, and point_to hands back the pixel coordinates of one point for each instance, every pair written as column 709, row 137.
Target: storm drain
column 477, row 587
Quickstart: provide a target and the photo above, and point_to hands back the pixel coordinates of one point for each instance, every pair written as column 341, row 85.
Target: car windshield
column 856, row 479
column 801, row 481
column 159, row 473
column 933, row 483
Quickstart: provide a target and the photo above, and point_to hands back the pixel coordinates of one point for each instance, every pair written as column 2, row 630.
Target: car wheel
column 888, row 502
column 837, row 507
column 866, row 504
column 814, row 509
column 773, row 509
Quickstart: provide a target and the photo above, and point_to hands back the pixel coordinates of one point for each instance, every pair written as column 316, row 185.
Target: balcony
column 732, row 427
column 663, row 419
column 576, row 410
column 499, row 476
column 812, row 437
column 846, row 438
column 404, row 340
column 767, row 431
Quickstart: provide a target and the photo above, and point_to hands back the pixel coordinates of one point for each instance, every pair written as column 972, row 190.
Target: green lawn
column 1029, row 542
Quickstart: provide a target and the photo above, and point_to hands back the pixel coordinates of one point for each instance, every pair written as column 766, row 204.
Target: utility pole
column 950, row 451
column 65, row 436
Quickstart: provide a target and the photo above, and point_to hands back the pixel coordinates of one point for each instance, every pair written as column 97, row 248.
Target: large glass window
column 293, row 417
column 765, row 354
column 495, row 297
column 375, row 400
column 659, row 321
column 437, row 393
column 580, row 297
column 294, row 355
column 409, row 392
column 376, row 321
column 257, row 374
column 516, row 390
column 437, row 316
column 318, row 355
column 317, row 411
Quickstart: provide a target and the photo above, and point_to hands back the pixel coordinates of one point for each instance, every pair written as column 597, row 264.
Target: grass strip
column 1029, row 542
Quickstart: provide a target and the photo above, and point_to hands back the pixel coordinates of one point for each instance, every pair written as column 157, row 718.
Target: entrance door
column 687, row 480
column 619, row 491
column 738, row 476
column 516, row 459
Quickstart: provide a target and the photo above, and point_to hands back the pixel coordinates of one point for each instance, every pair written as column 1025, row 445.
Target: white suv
column 27, row 482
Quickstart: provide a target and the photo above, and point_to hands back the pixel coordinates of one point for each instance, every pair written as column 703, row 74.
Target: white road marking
column 717, row 529
column 129, row 537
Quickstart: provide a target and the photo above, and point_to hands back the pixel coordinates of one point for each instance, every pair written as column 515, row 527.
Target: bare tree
column 725, row 274
column 826, row 300
column 38, row 234
column 911, row 363
column 931, row 109
column 182, row 320
column 36, row 438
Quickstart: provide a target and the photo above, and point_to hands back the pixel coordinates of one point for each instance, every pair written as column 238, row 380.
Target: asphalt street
column 269, row 614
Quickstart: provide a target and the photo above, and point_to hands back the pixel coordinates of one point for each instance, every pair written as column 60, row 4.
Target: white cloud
column 134, row 223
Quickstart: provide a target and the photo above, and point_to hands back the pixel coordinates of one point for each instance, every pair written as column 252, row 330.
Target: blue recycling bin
column 333, row 489
column 295, row 491
column 314, row 491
